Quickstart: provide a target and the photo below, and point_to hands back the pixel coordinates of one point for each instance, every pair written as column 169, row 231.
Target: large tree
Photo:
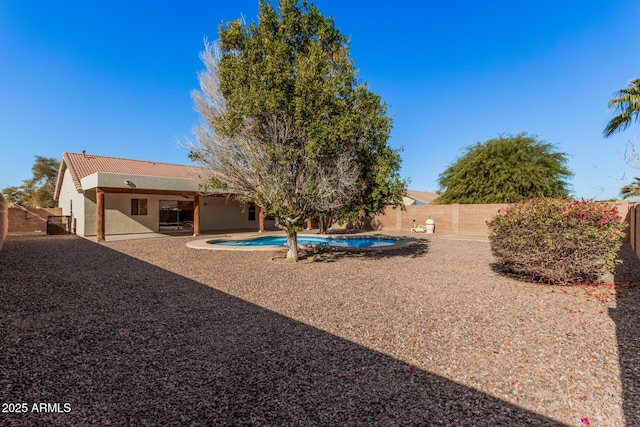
column 379, row 165
column 286, row 124
column 626, row 103
column 36, row 192
column 505, row 169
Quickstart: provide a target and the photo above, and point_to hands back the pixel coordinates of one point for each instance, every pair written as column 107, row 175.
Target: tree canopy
column 36, row 192
column 631, row 190
column 505, row 169
column 626, row 103
column 287, row 125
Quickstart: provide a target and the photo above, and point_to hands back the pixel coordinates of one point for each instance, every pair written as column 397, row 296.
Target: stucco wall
column 118, row 218
column 216, row 213
column 220, row 213
column 117, row 211
column 89, row 215
column 72, row 202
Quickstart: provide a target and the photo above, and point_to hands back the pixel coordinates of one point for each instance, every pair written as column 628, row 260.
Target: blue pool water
column 342, row 242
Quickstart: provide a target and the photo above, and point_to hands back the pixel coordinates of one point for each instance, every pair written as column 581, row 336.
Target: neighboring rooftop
column 414, row 197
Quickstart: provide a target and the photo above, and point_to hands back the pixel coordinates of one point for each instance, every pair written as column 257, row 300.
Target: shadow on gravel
column 626, row 315
column 127, row 343
column 412, row 248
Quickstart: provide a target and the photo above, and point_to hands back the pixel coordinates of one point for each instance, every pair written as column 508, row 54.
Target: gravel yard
column 150, row 332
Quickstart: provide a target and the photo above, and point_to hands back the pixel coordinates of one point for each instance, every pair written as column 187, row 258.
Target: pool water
column 341, row 242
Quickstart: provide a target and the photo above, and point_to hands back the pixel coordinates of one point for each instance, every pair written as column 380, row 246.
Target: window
column 138, row 206
column 252, row 211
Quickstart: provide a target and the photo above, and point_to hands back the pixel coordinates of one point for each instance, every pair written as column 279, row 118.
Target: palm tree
column 631, row 190
column 627, row 104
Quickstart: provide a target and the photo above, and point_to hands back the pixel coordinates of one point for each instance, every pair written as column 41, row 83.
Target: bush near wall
column 557, row 241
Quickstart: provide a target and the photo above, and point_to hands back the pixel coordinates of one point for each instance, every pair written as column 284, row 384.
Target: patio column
column 261, row 220
column 100, row 214
column 196, row 215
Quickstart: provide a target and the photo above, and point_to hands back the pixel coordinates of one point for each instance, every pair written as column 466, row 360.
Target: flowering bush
column 556, row 240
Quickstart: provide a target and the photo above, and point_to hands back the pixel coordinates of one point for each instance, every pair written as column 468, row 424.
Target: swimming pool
column 340, row 242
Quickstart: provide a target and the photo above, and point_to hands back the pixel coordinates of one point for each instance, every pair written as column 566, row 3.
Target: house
column 109, row 195
column 417, row 198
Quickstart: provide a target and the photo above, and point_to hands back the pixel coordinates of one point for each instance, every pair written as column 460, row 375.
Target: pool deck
column 401, row 241
column 244, row 234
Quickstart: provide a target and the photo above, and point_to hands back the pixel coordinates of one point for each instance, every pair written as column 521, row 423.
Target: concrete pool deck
column 401, row 241
column 244, row 234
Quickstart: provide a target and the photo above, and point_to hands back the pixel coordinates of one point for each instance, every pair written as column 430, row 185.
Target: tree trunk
column 324, row 223
column 292, row 245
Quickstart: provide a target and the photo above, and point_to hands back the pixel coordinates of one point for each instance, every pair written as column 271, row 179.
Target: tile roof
column 423, row 196
column 82, row 165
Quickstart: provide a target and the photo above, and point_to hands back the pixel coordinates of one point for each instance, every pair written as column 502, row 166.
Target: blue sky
column 114, row 78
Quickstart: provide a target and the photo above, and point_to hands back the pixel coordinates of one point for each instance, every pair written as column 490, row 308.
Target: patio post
column 261, row 220
column 196, row 215
column 100, row 214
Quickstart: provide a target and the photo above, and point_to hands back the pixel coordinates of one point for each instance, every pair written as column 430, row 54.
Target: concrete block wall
column 4, row 220
column 634, row 228
column 468, row 220
column 449, row 219
column 30, row 220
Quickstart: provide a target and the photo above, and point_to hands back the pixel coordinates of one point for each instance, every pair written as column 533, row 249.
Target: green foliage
column 294, row 65
column 631, row 190
column 16, row 196
column 288, row 125
column 627, row 106
column 505, row 169
column 36, row 192
column 557, row 240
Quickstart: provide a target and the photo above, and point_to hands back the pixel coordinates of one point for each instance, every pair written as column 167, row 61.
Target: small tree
column 505, row 169
column 285, row 122
column 36, row 192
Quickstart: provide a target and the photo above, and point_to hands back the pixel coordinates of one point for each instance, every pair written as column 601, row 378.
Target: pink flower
column 585, row 421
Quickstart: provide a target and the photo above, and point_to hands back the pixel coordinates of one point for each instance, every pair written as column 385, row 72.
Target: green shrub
column 557, row 241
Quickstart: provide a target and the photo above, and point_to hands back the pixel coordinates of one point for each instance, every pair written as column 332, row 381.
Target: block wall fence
column 449, row 219
column 471, row 220
column 4, row 220
column 34, row 220
column 634, row 227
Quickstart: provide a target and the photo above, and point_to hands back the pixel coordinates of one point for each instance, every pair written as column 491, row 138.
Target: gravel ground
column 150, row 332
